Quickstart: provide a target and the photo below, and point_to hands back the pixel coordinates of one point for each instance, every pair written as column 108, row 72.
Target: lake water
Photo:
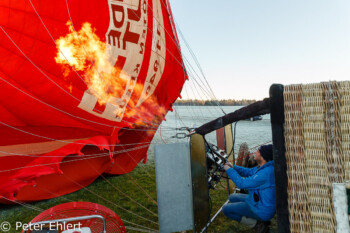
column 254, row 133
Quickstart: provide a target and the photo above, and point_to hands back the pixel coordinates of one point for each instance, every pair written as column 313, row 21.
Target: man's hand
column 227, row 166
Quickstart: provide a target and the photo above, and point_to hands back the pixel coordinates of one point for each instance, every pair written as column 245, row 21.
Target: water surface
column 253, row 133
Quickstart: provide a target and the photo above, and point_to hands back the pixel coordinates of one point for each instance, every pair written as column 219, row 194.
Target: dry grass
column 143, row 176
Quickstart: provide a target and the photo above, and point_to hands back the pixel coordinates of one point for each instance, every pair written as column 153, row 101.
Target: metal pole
column 213, row 218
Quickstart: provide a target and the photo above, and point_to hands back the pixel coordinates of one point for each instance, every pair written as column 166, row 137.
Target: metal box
column 174, row 187
column 182, row 186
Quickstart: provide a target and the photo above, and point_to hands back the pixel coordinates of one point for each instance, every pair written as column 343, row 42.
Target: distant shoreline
column 228, row 102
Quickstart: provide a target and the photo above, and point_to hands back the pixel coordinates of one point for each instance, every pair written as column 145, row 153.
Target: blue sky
column 245, row 46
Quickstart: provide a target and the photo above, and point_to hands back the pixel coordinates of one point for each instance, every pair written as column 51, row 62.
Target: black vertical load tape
column 348, row 194
column 281, row 179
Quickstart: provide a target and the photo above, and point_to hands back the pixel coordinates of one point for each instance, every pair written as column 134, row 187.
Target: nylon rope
column 197, row 63
column 122, row 208
column 124, row 194
column 147, row 28
column 197, row 82
column 93, row 64
column 174, row 42
column 135, row 183
column 138, row 229
column 83, row 48
column 48, row 32
column 193, row 55
column 200, row 97
column 9, row 37
column 67, row 142
column 118, row 191
column 18, row 47
column 191, row 108
column 90, row 157
column 38, row 209
column 69, row 114
column 127, row 196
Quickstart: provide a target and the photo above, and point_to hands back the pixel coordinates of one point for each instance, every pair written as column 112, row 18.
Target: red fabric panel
column 38, row 103
column 56, row 173
column 220, row 138
column 77, row 209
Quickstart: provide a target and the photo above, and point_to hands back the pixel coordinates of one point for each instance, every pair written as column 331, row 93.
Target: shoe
column 262, row 227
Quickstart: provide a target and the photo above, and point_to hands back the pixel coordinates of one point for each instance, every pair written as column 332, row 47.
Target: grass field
column 131, row 196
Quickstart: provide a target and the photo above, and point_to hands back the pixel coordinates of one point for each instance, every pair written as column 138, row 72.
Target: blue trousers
column 237, row 208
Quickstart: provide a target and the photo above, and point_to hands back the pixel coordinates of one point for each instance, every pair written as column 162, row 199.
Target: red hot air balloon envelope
column 80, row 209
column 84, row 86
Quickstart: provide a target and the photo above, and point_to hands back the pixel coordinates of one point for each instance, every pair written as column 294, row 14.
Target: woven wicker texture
column 297, row 189
column 344, row 90
column 317, row 139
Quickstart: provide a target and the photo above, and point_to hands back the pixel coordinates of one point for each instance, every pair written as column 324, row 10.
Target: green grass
column 143, row 176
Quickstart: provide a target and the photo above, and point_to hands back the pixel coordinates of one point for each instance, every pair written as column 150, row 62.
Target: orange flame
column 84, row 51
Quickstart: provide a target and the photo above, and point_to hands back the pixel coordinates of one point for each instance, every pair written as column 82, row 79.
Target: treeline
column 229, row 102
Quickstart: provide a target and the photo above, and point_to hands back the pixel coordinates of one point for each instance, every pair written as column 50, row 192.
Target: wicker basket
column 317, row 140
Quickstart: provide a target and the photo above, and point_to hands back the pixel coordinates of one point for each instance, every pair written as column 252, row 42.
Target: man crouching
column 256, row 208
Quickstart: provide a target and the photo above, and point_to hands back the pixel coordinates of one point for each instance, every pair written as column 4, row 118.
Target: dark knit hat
column 266, row 152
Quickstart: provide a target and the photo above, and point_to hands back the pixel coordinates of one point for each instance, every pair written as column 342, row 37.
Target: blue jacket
column 258, row 180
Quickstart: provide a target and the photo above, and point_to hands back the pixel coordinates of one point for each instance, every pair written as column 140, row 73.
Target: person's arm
column 248, row 182
column 243, row 171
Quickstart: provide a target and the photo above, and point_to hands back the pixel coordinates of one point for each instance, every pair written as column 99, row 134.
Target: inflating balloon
column 84, row 86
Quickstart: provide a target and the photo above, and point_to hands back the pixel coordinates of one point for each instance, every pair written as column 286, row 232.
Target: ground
column 117, row 194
